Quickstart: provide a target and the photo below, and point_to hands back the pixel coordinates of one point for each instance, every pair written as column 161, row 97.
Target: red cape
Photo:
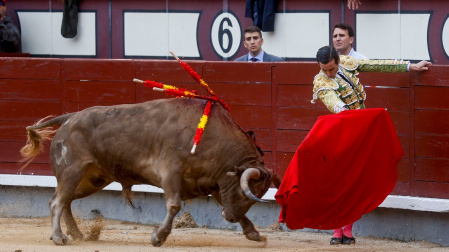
column 344, row 168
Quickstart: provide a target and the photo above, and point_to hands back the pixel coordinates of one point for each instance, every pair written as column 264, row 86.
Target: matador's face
column 330, row 69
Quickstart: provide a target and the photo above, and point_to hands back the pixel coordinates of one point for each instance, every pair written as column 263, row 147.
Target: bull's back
column 130, row 139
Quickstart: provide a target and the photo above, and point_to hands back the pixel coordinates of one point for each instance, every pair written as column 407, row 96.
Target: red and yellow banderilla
column 171, row 90
column 198, row 78
column 181, row 92
column 174, row 91
column 201, row 126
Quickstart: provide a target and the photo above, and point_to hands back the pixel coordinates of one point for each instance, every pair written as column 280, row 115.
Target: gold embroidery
column 382, row 66
column 334, row 91
column 322, row 82
column 329, row 99
column 345, row 93
column 348, row 62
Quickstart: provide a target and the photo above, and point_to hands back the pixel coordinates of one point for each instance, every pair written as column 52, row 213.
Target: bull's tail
column 38, row 134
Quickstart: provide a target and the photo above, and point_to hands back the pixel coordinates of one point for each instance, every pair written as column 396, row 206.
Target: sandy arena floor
column 24, row 235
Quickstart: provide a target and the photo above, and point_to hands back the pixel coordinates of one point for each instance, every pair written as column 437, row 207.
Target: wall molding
column 392, row 201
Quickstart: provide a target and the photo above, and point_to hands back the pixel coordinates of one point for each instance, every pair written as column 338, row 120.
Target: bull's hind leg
column 72, row 227
column 57, row 204
column 76, row 181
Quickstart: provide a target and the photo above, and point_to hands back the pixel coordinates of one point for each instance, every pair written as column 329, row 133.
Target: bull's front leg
column 173, row 204
column 250, row 231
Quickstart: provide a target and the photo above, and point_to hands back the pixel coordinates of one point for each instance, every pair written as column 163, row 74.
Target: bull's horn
column 250, row 173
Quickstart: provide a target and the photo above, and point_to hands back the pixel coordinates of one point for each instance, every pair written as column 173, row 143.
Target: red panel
column 256, row 117
column 243, row 93
column 247, row 88
column 238, row 72
column 433, row 170
column 268, row 160
column 92, row 69
column 432, row 121
column 405, row 144
column 168, row 72
column 385, row 79
column 437, row 76
column 100, row 92
column 75, row 107
column 30, row 68
column 289, row 140
column 401, row 188
column 404, row 170
column 31, row 169
column 298, row 118
column 10, row 152
column 283, row 159
column 431, row 98
column 27, row 110
column 296, row 96
column 401, row 122
column 432, row 146
column 14, row 130
column 283, row 73
column 394, row 99
column 263, row 138
column 13, row 89
column 432, row 189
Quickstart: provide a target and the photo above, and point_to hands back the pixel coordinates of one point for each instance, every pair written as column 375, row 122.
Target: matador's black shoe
column 336, row 241
column 348, row 240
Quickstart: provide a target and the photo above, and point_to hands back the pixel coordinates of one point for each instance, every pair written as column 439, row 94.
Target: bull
column 148, row 143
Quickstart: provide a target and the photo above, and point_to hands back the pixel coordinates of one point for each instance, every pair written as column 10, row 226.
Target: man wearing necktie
column 253, row 41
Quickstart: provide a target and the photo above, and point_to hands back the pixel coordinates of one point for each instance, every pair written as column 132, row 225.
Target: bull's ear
column 230, row 173
column 237, row 171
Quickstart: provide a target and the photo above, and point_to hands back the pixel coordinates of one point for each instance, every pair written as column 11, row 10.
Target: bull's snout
column 231, row 219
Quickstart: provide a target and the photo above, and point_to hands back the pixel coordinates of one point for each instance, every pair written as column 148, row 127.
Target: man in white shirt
column 342, row 39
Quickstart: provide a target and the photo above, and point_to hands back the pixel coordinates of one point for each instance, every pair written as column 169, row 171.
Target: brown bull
column 149, row 143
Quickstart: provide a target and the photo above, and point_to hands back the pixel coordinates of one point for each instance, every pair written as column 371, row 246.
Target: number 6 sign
column 226, row 35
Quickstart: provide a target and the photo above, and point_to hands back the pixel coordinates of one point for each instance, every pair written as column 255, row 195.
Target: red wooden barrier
column 272, row 99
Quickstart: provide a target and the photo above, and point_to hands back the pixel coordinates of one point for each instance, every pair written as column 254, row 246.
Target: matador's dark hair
column 327, row 53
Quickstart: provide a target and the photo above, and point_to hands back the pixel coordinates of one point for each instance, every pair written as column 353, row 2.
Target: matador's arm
column 383, row 66
column 332, row 101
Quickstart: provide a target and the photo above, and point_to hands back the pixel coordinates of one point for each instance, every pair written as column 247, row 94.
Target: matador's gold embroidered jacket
column 336, row 93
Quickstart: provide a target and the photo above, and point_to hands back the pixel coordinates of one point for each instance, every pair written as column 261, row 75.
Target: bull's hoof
column 255, row 236
column 76, row 235
column 155, row 240
column 60, row 240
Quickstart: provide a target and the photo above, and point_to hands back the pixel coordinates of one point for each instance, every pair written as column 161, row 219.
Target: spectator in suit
column 253, row 41
column 10, row 40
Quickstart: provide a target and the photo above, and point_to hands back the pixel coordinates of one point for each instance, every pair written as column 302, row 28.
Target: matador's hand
column 353, row 4
column 420, row 66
